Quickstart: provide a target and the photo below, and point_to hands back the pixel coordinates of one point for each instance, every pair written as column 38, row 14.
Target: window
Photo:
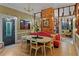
column 66, row 11
column 61, row 12
column 56, row 13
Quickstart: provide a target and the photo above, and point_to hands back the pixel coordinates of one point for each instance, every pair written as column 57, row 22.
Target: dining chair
column 57, row 41
column 25, row 44
column 24, row 41
column 50, row 46
column 34, row 45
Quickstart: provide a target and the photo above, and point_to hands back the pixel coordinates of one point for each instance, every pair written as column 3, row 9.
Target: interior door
column 8, row 31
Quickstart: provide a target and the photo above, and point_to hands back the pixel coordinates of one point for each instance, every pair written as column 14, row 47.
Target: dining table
column 43, row 40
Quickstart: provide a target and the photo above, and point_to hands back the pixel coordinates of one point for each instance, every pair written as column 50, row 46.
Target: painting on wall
column 24, row 24
column 45, row 23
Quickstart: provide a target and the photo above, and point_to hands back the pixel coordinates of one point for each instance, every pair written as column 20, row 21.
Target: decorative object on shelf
column 45, row 23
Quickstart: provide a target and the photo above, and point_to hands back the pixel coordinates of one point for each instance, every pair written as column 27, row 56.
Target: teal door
column 8, row 31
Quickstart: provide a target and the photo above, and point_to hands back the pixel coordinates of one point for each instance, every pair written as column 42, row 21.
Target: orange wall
column 77, row 16
column 49, row 15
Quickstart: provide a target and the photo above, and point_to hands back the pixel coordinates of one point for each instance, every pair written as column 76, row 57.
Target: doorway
column 8, row 31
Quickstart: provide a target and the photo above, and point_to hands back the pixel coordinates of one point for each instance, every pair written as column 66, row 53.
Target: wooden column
column 77, row 17
column 47, row 15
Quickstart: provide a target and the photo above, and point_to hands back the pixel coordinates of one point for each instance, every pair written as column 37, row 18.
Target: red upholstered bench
column 41, row 34
column 57, row 41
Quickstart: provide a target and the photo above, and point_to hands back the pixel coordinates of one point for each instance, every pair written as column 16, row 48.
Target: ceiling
column 37, row 7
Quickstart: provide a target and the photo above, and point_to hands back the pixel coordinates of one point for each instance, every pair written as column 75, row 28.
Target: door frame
column 12, row 17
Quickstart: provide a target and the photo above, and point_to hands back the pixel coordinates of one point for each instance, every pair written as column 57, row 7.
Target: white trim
column 0, row 30
column 16, row 31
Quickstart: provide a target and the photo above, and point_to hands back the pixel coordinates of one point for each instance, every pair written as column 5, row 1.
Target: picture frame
column 46, row 23
column 24, row 24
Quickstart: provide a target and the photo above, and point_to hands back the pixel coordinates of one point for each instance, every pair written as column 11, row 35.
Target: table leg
column 44, row 50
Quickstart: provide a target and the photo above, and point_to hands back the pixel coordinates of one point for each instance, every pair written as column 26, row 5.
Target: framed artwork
column 24, row 24
column 45, row 23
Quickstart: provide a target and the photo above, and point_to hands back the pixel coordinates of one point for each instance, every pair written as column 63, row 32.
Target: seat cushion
column 41, row 34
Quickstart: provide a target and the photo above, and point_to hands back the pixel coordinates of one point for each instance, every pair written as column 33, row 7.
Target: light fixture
column 29, row 8
column 21, row 21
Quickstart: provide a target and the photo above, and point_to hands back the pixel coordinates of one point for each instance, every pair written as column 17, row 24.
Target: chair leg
column 51, row 50
column 35, row 52
column 42, row 50
column 26, row 45
column 30, row 50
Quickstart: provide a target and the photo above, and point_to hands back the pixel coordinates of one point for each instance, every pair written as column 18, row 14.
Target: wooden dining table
column 43, row 41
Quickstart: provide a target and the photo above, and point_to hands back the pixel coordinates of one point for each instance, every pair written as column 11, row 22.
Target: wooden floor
column 66, row 49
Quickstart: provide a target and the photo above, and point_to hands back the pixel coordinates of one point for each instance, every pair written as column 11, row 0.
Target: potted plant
column 36, row 28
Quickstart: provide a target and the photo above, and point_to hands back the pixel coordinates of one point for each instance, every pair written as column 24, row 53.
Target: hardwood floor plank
column 65, row 49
